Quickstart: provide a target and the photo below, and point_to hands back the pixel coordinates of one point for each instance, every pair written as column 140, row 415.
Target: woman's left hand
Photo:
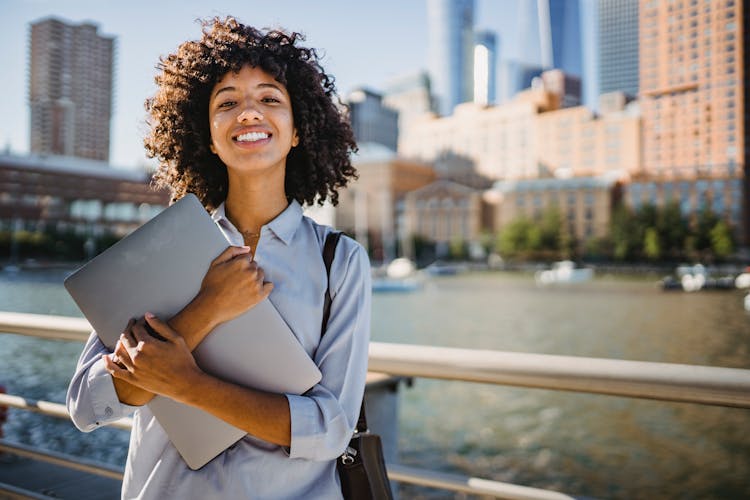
column 163, row 367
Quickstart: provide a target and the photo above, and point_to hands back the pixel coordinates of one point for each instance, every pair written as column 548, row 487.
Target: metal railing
column 660, row 381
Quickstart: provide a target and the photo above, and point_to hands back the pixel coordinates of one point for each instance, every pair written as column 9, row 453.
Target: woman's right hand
column 232, row 285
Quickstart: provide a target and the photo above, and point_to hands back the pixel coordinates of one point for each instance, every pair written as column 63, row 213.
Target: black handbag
column 362, row 466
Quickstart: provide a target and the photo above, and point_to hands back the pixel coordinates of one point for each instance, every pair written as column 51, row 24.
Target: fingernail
column 150, row 316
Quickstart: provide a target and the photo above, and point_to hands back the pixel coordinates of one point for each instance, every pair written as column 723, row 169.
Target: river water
column 580, row 444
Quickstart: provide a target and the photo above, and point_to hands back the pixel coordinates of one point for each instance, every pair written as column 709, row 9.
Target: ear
column 295, row 138
column 211, row 146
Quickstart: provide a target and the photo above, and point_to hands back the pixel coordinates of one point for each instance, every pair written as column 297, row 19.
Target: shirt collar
column 283, row 226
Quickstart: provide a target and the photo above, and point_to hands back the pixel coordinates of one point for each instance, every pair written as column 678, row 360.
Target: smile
column 252, row 137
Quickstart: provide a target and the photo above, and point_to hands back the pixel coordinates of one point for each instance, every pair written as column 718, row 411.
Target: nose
column 249, row 113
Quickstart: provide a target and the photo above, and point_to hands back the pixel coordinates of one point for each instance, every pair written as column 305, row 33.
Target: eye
column 226, row 104
column 271, row 99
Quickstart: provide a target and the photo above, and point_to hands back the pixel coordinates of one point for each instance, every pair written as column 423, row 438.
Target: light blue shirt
column 290, row 253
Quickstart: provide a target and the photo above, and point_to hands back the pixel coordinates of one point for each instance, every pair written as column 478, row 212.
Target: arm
column 232, row 285
column 324, row 417
column 167, row 367
column 91, row 398
column 315, row 426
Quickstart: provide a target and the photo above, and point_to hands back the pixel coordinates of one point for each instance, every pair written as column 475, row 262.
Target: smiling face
column 251, row 122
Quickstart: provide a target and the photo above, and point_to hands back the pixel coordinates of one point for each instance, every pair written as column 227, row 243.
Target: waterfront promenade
column 526, row 436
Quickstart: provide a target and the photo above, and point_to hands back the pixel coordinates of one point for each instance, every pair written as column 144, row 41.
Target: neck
column 253, row 202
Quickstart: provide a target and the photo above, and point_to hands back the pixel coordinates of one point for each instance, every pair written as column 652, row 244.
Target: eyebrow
column 260, row 85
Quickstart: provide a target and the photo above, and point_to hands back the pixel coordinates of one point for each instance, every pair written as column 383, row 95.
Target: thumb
column 267, row 289
column 230, row 253
column 163, row 331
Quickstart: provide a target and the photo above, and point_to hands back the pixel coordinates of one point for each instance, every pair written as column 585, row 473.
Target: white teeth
column 252, row 137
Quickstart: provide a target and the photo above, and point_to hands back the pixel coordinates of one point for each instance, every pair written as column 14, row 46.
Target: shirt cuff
column 106, row 405
column 303, row 412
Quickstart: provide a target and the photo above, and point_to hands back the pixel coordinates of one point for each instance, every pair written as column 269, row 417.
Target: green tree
column 721, row 240
column 651, row 247
column 705, row 222
column 457, row 249
column 550, row 230
column 624, row 235
column 513, row 239
column 673, row 230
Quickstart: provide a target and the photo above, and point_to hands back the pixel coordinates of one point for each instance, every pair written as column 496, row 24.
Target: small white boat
column 400, row 275
column 742, row 280
column 564, row 271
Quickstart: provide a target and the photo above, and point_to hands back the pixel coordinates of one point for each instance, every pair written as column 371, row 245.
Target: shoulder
column 350, row 258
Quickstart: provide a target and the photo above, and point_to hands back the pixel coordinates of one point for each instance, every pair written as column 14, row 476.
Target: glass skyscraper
column 618, row 46
column 485, row 55
column 451, row 52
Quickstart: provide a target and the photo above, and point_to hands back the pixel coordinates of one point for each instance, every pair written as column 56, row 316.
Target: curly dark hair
column 178, row 114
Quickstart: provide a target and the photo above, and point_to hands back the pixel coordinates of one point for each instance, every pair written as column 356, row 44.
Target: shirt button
column 108, row 411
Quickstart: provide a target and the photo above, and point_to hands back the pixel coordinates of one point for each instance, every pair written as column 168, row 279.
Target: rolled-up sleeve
column 91, row 399
column 324, row 418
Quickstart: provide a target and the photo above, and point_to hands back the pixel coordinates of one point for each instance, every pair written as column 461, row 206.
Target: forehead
column 247, row 77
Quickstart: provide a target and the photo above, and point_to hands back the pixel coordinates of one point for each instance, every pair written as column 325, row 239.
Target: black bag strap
column 329, row 251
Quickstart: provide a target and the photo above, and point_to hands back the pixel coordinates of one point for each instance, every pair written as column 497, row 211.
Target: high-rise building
column 70, row 89
column 372, row 121
column 551, row 34
column 451, row 52
column 410, row 95
column 551, row 38
column 565, row 35
column 485, row 67
column 693, row 104
column 618, row 46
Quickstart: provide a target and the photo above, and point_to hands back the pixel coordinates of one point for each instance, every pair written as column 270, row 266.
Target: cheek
column 213, row 129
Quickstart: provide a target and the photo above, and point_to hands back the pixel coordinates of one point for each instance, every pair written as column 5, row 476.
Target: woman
column 247, row 121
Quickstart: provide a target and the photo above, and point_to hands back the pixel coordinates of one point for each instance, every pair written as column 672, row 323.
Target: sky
column 363, row 43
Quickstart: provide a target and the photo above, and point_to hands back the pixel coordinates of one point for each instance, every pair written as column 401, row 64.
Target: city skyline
column 357, row 53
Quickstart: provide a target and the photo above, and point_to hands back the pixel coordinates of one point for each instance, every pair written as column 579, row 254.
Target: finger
column 121, row 350
column 130, row 324
column 267, row 289
column 230, row 253
column 160, row 327
column 128, row 339
column 123, row 360
column 140, row 333
column 114, row 369
column 115, row 358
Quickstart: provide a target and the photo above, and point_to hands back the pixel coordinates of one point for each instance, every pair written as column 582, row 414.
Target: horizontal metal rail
column 396, row 472
column 62, row 459
column 52, row 409
column 473, row 485
column 640, row 379
column 662, row 381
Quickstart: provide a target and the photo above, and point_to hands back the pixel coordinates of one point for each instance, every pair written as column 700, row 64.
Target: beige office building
column 500, row 140
column 370, row 208
column 584, row 203
column 532, row 137
column 444, row 211
column 574, row 142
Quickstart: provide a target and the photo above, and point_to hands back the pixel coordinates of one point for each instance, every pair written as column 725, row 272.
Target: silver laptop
column 159, row 268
